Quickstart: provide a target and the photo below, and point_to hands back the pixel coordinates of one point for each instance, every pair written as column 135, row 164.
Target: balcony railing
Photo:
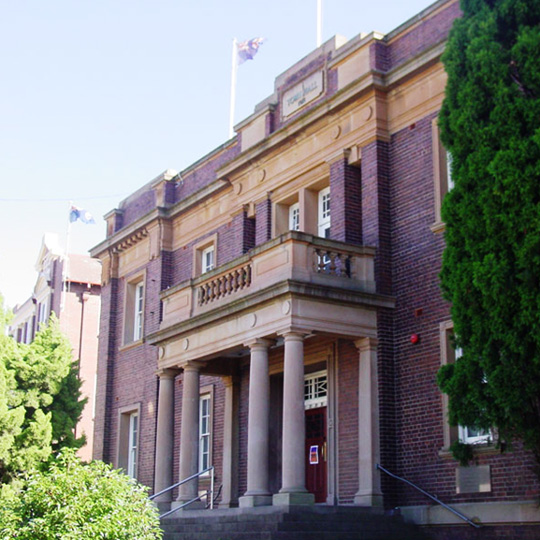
column 225, row 285
column 293, row 256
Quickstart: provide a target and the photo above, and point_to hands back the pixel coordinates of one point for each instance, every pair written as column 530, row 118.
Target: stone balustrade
column 292, row 257
column 224, row 285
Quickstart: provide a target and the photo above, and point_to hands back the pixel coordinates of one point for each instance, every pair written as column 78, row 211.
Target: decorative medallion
column 367, row 113
column 252, row 320
column 185, row 344
column 286, row 307
column 238, row 188
column 336, row 132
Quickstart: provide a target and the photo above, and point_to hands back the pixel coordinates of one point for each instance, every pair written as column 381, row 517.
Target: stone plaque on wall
column 473, row 479
column 302, row 93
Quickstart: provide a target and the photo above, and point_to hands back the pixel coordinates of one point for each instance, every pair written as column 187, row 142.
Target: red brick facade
column 382, row 195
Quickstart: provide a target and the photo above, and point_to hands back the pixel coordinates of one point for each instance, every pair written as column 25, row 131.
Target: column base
column 250, row 501
column 368, row 499
column 293, row 499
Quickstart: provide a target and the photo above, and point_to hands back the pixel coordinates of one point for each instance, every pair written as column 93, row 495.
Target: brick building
column 70, row 288
column 258, row 307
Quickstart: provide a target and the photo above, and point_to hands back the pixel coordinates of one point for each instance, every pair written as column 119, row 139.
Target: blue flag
column 80, row 213
column 248, row 49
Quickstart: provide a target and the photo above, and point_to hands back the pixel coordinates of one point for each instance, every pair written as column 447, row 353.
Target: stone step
column 295, row 523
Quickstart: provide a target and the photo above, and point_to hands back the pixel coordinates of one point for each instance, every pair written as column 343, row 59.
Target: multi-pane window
column 449, row 179
column 28, row 330
column 133, row 434
column 294, row 217
column 204, row 432
column 43, row 314
column 134, row 311
column 138, row 314
column 324, row 213
column 469, row 434
column 207, row 262
column 315, row 390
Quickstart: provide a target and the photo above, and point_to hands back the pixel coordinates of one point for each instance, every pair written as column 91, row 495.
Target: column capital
column 167, row 374
column 193, row 366
column 259, row 342
column 366, row 344
column 293, row 335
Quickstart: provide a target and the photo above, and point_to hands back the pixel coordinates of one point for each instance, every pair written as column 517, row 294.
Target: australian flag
column 248, row 49
column 80, row 213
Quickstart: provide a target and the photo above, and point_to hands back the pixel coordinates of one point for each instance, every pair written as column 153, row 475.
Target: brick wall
column 416, row 260
column 346, row 202
column 263, row 222
column 347, row 397
column 424, row 35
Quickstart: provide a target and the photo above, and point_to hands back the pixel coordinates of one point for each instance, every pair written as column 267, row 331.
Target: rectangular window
column 28, row 330
column 134, row 311
column 449, row 179
column 204, row 432
column 138, row 313
column 324, row 213
column 294, row 217
column 133, row 438
column 128, row 440
column 43, row 314
column 207, row 262
column 450, row 354
column 469, row 434
column 315, row 390
column 442, row 174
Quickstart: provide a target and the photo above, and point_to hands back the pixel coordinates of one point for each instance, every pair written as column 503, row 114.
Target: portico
column 287, row 298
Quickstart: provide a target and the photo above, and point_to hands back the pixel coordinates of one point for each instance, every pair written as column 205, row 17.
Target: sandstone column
column 165, row 435
column 258, row 493
column 369, row 485
column 189, row 432
column 229, row 496
column 293, row 490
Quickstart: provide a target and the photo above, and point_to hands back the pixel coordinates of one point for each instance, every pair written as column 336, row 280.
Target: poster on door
column 314, row 455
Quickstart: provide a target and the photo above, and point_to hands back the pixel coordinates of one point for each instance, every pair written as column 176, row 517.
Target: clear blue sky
column 99, row 97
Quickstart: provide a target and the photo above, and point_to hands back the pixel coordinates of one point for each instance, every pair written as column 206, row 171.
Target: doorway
column 316, row 453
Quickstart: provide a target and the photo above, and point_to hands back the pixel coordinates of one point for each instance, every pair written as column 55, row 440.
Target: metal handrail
column 209, row 493
column 432, row 497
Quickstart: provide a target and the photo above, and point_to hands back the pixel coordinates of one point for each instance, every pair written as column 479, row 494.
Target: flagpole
column 234, row 65
column 319, row 23
column 65, row 269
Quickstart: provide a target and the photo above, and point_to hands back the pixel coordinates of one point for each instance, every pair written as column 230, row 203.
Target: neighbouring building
column 70, row 288
column 274, row 309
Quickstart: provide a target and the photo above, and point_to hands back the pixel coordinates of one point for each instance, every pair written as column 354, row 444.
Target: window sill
column 438, row 227
column 478, row 450
column 131, row 345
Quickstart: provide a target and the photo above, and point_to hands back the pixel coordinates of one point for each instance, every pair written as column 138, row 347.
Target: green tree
column 39, row 398
column 73, row 501
column 490, row 123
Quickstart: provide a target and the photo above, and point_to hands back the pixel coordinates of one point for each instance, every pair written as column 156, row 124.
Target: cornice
column 370, row 81
column 125, row 237
column 269, row 294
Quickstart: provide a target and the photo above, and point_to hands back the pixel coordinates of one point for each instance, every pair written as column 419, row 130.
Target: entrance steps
column 293, row 523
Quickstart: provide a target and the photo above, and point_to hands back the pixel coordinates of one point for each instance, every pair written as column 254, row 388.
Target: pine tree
column 490, row 123
column 39, row 398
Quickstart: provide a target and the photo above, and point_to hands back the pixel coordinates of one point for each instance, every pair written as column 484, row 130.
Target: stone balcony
column 295, row 280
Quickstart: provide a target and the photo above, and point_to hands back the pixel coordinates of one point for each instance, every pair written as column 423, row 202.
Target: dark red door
column 316, row 453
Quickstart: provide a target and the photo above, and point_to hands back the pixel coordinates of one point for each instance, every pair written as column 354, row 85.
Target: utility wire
column 65, row 199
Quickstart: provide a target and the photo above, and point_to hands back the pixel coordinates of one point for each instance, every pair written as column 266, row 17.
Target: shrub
column 74, row 501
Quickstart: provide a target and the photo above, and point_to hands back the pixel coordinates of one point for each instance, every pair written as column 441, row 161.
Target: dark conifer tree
column 490, row 123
